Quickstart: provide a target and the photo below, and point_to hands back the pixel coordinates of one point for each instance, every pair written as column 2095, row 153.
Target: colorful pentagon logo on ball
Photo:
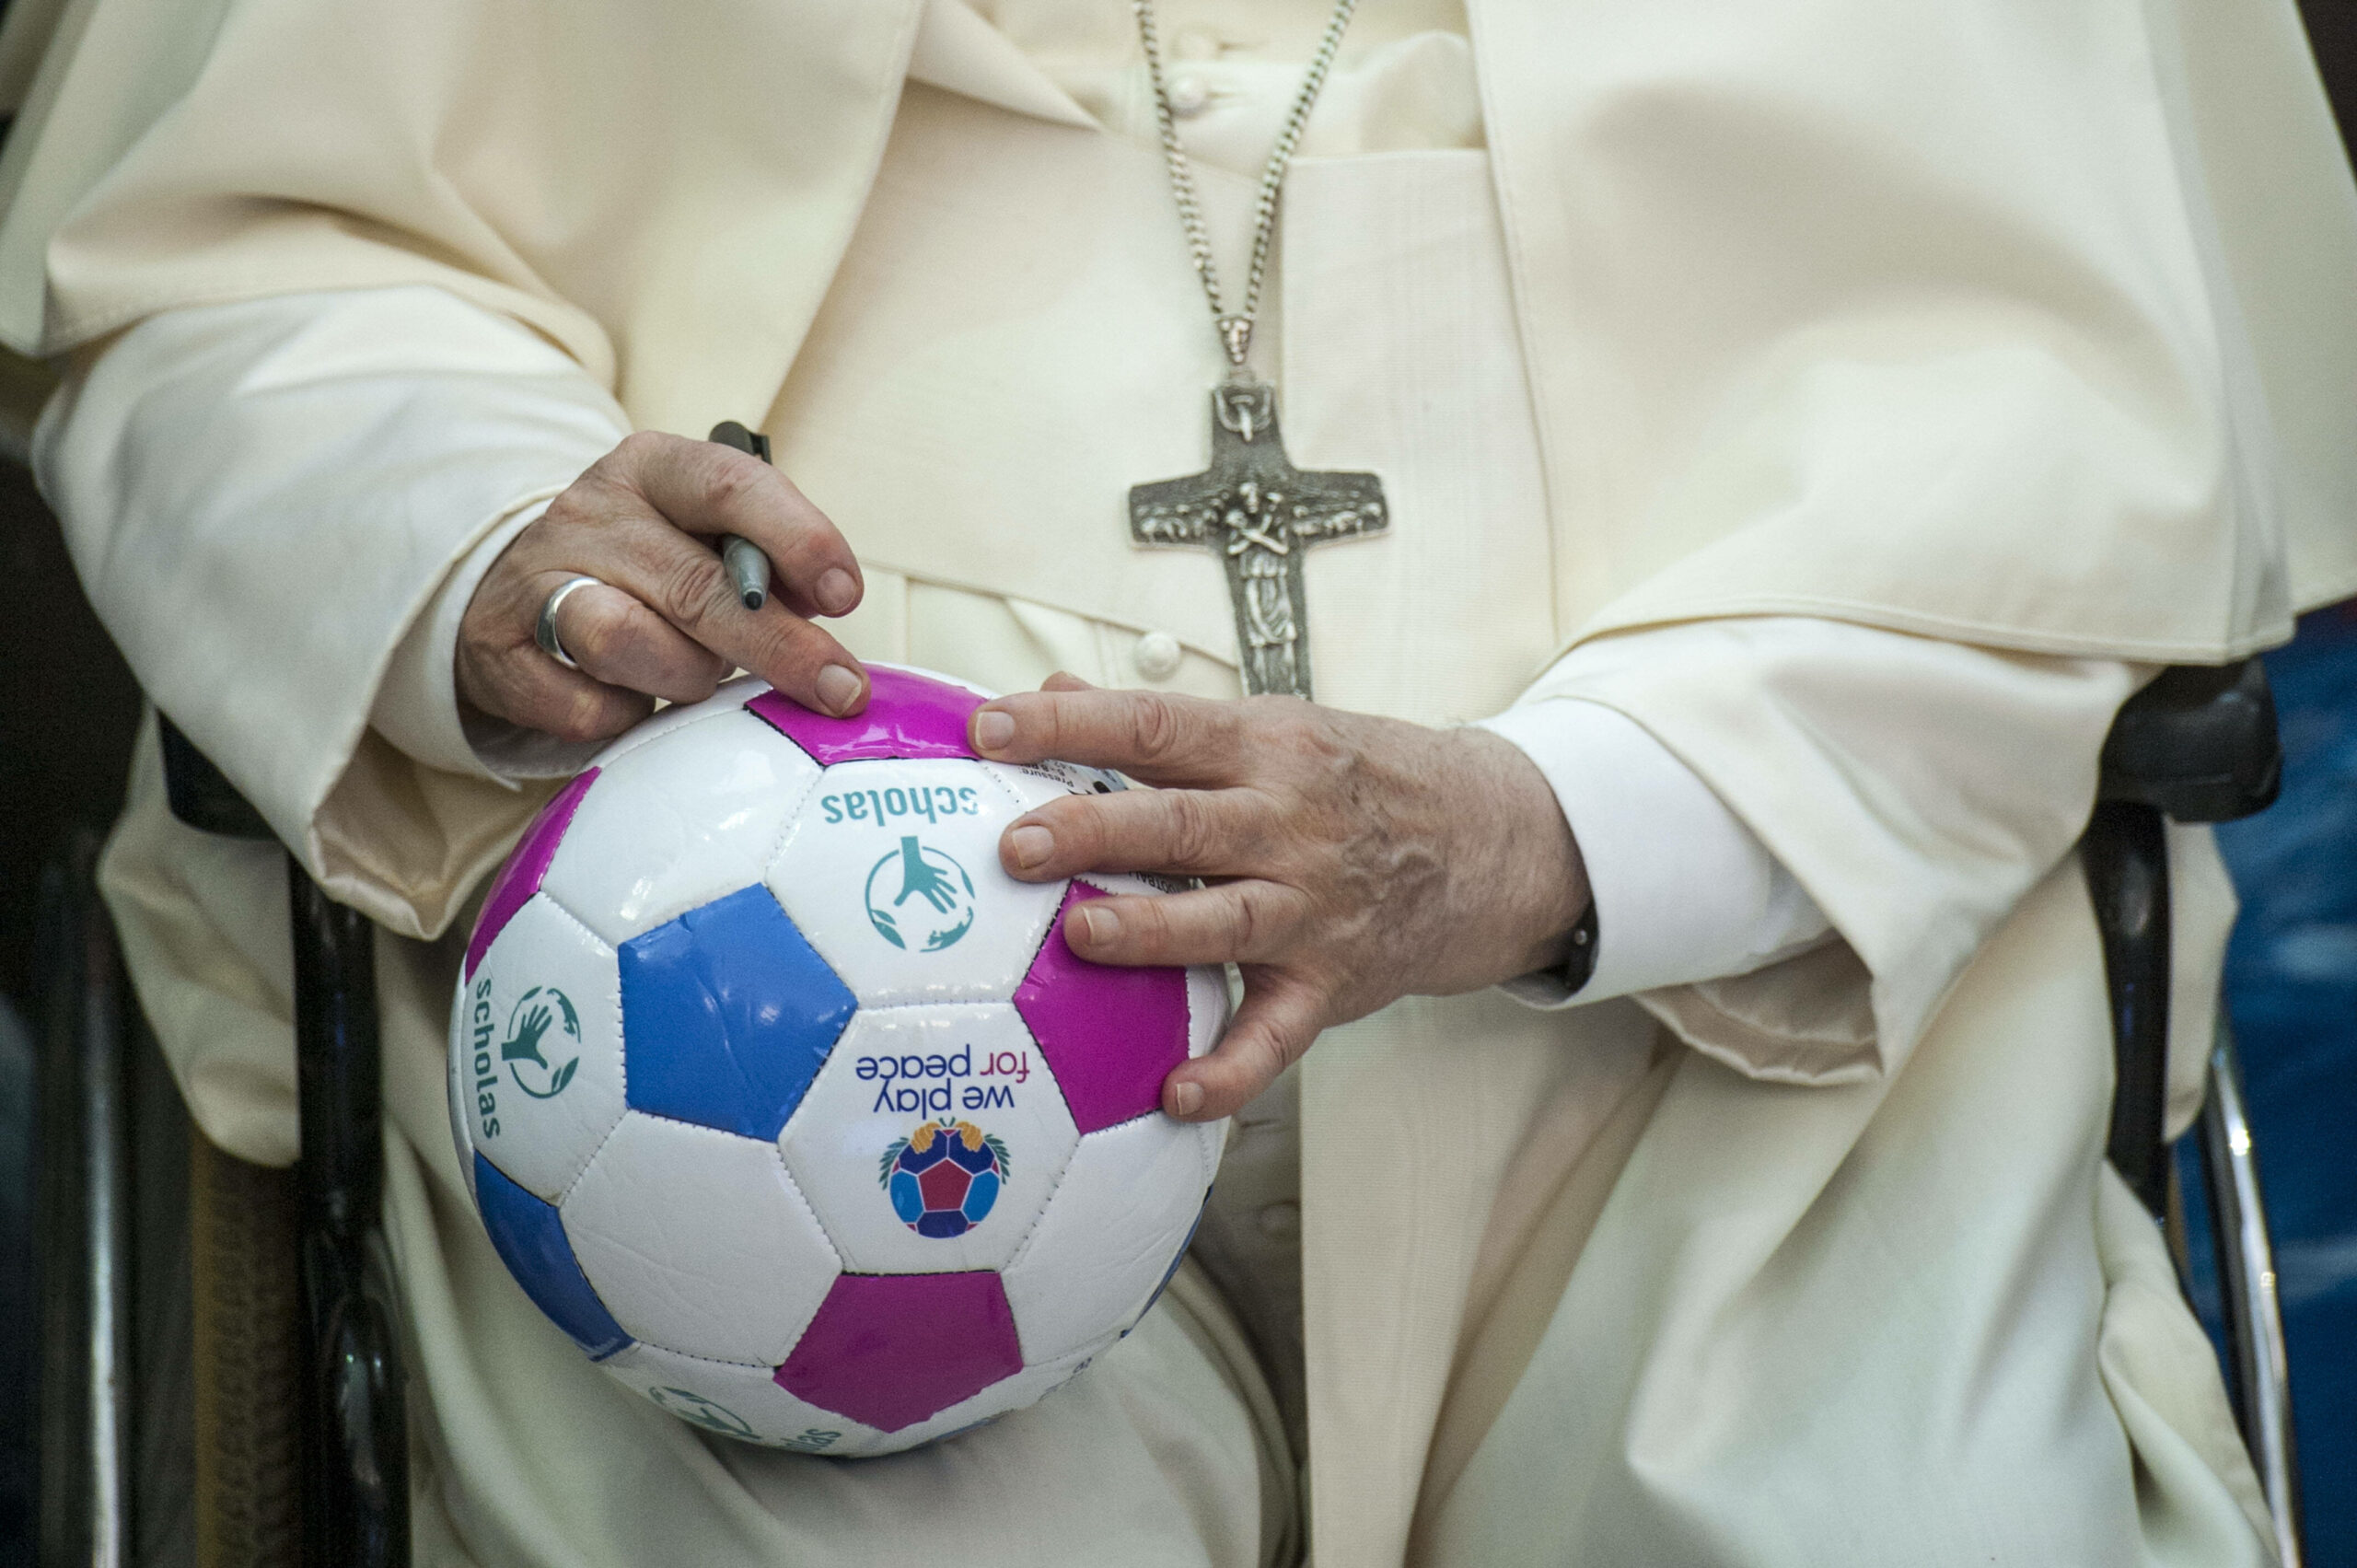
column 945, row 1177
column 790, row 1107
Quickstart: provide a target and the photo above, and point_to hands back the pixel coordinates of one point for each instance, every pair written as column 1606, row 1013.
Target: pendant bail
column 1235, row 333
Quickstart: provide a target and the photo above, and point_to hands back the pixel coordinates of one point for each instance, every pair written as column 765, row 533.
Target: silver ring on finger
column 544, row 630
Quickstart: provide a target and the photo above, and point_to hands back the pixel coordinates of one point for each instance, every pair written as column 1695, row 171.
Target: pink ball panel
column 907, row 716
column 520, row 877
column 1110, row 1034
column 890, row 1349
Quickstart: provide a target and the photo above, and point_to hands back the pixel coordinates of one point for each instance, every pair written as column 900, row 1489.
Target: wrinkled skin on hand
column 666, row 623
column 1349, row 860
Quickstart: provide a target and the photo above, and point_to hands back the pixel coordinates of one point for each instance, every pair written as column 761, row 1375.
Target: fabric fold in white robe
column 262, row 521
column 1917, row 795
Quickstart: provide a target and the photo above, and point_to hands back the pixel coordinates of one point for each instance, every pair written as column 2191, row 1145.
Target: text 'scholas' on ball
column 790, row 1106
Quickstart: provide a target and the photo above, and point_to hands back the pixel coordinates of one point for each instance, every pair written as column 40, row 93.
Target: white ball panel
column 1207, row 1007
column 457, row 1066
column 1210, row 1142
column 731, row 696
column 537, row 1049
column 984, row 692
column 1125, row 1207
column 844, row 877
column 1042, row 782
column 879, row 1085
column 743, row 1402
column 697, row 1241
column 670, row 828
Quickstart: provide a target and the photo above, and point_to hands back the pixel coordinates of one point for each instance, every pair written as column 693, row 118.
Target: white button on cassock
column 1157, row 655
column 1189, row 96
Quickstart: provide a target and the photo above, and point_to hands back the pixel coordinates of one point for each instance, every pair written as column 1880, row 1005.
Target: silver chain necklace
column 1251, row 505
column 1236, row 329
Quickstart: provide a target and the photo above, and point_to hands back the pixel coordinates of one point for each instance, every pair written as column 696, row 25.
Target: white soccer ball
column 791, row 1107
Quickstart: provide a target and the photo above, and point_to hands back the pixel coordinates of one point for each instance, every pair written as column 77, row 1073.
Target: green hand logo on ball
column 919, row 898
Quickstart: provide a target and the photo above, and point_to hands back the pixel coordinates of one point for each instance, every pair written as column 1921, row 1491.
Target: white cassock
column 1801, row 437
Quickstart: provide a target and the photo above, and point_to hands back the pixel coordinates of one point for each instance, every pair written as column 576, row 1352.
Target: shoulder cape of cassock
column 2026, row 324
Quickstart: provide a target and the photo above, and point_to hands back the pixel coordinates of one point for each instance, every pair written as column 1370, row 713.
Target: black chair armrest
column 2196, row 745
column 200, row 794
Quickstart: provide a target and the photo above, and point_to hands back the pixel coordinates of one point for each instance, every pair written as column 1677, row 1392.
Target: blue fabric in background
column 2291, row 992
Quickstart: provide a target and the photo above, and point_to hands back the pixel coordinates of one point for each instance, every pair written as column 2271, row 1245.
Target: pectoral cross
column 1262, row 515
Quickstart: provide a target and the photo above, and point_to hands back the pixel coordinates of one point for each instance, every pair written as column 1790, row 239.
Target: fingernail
column 1032, row 845
column 993, row 730
column 1097, row 925
column 837, row 591
column 1186, row 1098
column 838, row 689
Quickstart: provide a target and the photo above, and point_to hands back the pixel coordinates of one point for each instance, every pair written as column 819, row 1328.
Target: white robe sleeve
column 1683, row 890
column 1773, row 772
column 264, row 498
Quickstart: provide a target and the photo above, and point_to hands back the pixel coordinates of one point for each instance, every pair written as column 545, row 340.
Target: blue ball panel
column 728, row 1015
column 530, row 1240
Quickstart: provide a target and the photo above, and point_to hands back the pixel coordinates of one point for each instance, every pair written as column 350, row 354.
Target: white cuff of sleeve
column 417, row 704
column 1683, row 890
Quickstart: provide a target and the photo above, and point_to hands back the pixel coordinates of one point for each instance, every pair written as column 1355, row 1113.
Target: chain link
column 1235, row 327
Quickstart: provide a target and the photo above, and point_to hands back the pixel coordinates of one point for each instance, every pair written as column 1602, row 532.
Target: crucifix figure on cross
column 1262, row 515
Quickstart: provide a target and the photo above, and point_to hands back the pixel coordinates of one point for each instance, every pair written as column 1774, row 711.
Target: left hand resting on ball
column 1352, row 860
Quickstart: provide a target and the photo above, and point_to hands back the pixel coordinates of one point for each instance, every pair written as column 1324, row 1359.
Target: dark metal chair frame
column 2199, row 745
column 355, row 1426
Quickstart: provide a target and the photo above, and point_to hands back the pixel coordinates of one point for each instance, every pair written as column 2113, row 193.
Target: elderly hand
column 668, row 623
column 1352, row 860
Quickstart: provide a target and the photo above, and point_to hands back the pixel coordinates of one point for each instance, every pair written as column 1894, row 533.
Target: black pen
column 748, row 569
